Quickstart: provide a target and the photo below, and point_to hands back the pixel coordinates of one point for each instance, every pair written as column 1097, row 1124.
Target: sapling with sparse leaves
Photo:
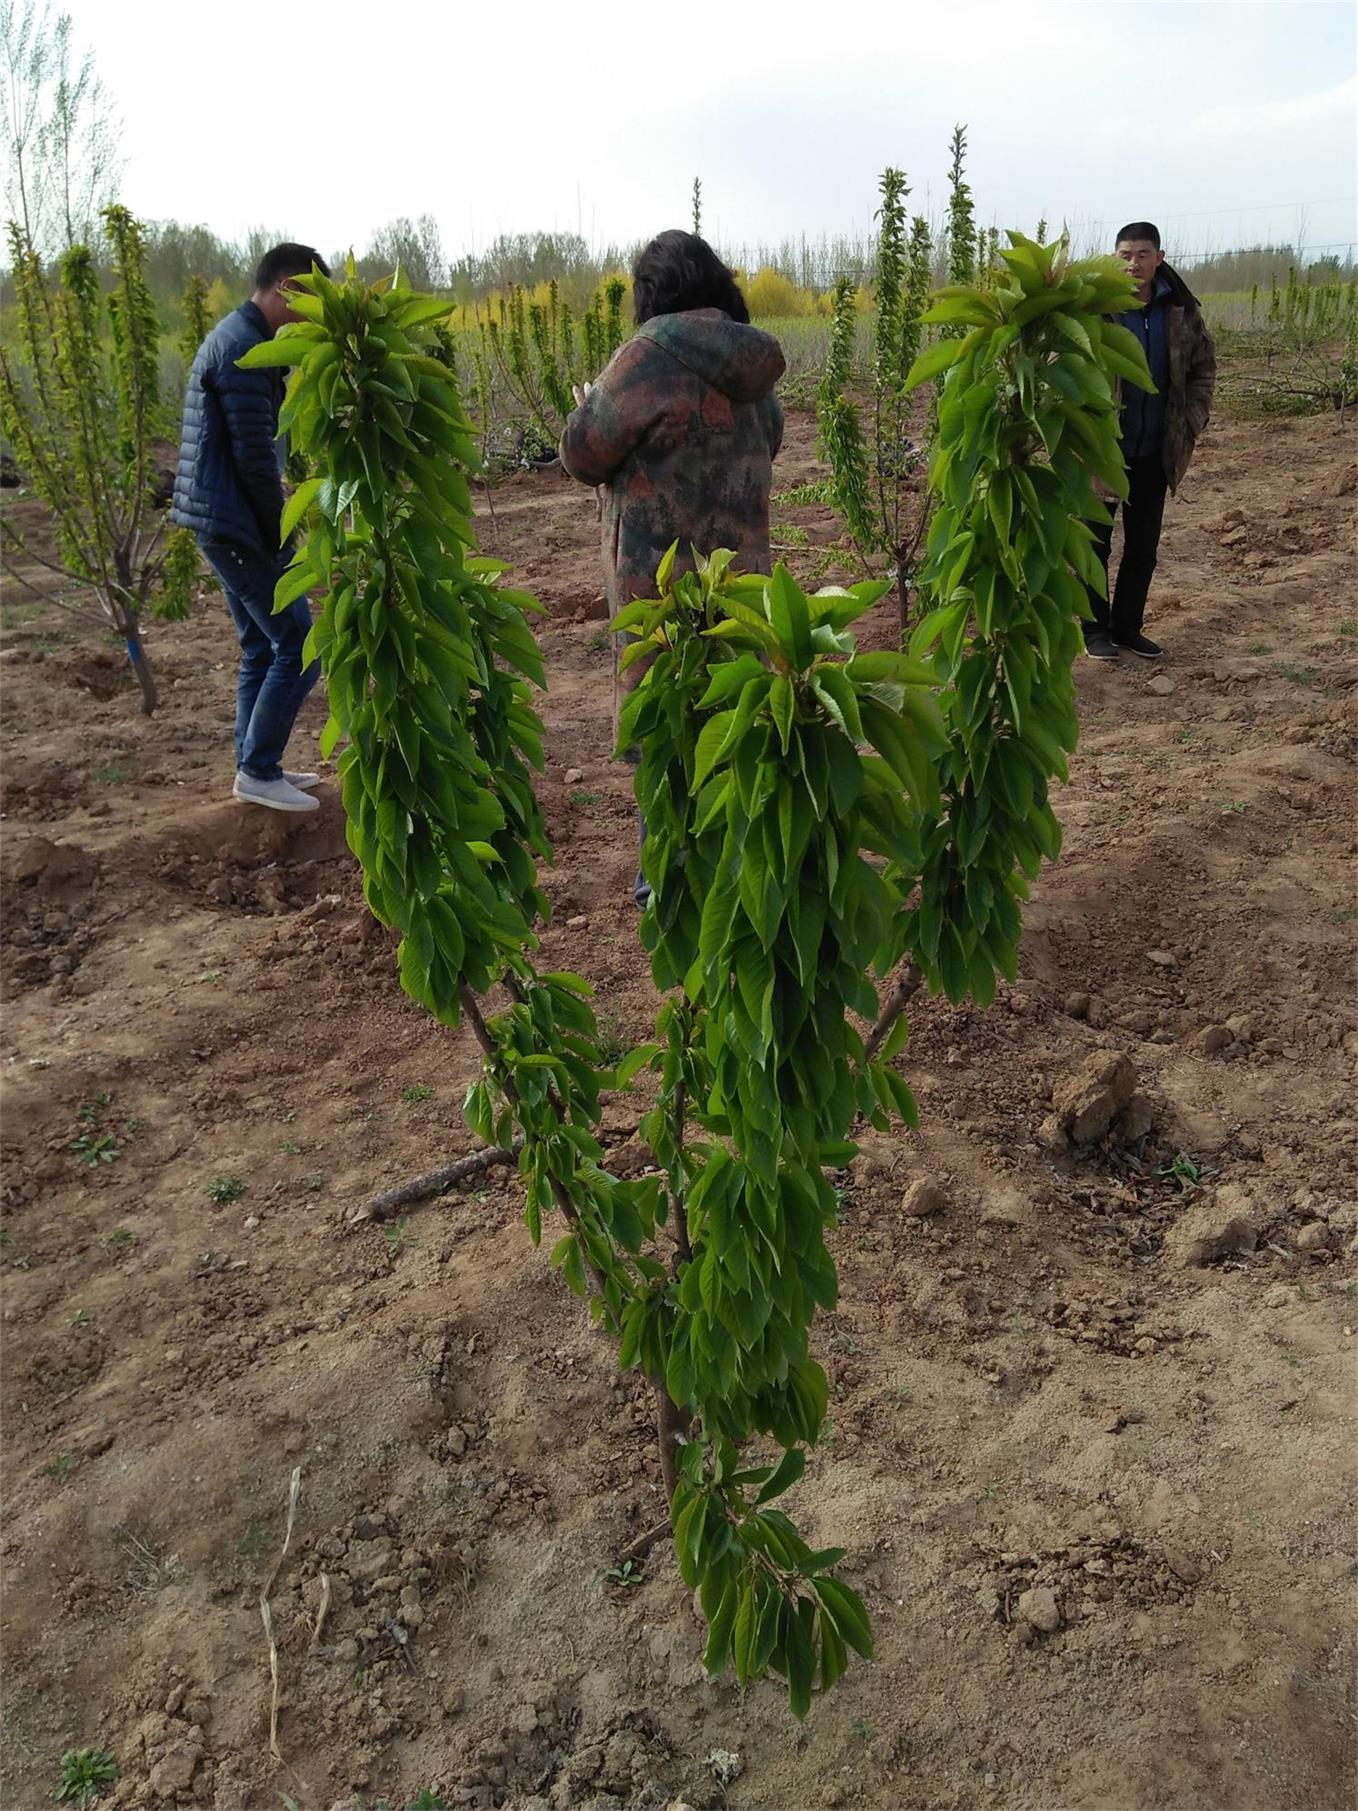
column 867, row 445
column 80, row 406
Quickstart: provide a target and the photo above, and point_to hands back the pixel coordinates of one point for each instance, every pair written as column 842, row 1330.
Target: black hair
column 1139, row 229
column 678, row 271
column 288, row 261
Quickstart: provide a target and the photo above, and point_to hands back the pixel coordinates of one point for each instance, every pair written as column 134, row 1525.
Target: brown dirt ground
column 1028, row 1387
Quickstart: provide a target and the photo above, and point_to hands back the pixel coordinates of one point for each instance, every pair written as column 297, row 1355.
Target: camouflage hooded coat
column 681, row 431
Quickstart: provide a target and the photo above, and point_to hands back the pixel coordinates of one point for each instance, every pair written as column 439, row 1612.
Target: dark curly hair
column 678, row 271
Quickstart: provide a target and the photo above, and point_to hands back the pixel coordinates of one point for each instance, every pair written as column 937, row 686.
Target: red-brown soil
column 1028, row 1388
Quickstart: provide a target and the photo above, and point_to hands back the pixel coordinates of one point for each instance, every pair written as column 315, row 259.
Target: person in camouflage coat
column 681, row 429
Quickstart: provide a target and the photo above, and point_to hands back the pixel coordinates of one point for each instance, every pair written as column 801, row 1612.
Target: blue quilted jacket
column 229, row 485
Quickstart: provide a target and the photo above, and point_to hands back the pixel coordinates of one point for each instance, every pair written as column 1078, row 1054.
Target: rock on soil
column 1040, row 1610
column 1099, row 1098
column 1215, row 1226
column 923, row 1197
column 1207, row 1040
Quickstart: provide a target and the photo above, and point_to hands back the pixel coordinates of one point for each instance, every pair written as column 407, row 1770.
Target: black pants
column 1142, row 515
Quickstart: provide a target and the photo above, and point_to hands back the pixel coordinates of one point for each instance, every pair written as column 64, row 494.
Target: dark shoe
column 1142, row 645
column 641, row 892
column 1100, row 647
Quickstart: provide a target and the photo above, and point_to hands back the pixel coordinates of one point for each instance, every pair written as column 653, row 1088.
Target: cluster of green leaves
column 196, row 319
column 961, row 228
column 784, row 778
column 813, row 814
column 867, row 445
column 540, row 352
column 430, row 665
column 1027, row 429
column 80, row 405
column 85, row 1772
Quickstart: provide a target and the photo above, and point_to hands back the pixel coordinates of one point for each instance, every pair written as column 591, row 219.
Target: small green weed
column 79, row 1317
column 583, row 799
column 1259, row 647
column 1348, row 627
column 84, row 1774
column 1184, row 1170
column 61, row 1467
column 113, row 773
column 222, row 1189
column 613, row 1041
column 211, row 976
column 253, row 1542
column 626, row 1575
column 289, row 1147
column 314, row 1181
column 90, row 1112
column 864, row 1730
column 1299, row 675
column 417, row 1091
column 1188, row 737
column 397, row 1237
column 598, row 642
column 93, row 1148
column 122, row 1238
column 1239, row 806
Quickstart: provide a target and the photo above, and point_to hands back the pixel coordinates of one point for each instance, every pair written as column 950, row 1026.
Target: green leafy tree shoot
column 815, row 814
column 80, row 406
column 866, row 442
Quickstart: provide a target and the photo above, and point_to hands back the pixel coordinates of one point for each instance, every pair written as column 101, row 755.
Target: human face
column 1142, row 260
column 274, row 304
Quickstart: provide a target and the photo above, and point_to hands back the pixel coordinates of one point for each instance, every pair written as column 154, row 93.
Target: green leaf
column 800, row 1637
column 790, row 1468
column 745, row 1636
column 845, row 1608
column 790, row 616
column 280, row 350
column 721, row 1629
column 295, row 582
column 298, row 504
column 933, row 360
column 781, row 706
column 710, row 744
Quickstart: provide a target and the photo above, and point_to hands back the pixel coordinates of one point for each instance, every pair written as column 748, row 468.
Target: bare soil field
column 1123, row 1374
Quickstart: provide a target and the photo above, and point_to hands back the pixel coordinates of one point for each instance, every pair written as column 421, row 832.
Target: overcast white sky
column 1226, row 122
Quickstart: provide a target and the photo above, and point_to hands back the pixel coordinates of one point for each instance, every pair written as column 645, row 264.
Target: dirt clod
column 923, row 1197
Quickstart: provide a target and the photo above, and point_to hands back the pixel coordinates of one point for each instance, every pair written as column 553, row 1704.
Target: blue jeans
column 272, row 683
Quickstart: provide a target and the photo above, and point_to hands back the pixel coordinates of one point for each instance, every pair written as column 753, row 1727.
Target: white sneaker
column 302, row 781
column 277, row 795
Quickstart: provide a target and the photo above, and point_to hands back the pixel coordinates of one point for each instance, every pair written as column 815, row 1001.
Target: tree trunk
column 902, row 572
column 121, row 602
column 671, row 1427
column 141, row 666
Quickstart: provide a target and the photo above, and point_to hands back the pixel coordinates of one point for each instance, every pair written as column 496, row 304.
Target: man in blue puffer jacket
column 229, row 491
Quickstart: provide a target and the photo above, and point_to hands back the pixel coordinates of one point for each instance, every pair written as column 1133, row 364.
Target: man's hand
column 580, row 392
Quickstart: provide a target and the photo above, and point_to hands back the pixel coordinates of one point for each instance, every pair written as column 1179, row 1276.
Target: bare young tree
column 414, row 245
column 60, row 130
